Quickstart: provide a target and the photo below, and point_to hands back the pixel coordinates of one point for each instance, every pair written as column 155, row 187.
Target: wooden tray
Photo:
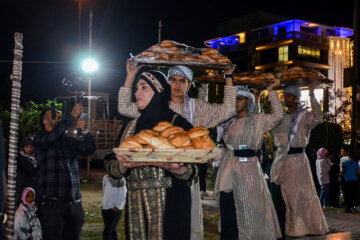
column 194, row 65
column 167, row 155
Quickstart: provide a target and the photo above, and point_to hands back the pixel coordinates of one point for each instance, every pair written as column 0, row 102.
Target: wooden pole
column 159, row 32
column 14, row 134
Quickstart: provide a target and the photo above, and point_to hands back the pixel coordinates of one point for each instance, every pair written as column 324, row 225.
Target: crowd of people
column 163, row 200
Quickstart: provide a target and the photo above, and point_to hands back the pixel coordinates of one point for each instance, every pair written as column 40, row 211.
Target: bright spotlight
column 89, row 65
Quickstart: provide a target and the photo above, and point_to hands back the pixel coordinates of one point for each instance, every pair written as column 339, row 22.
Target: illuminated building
column 266, row 42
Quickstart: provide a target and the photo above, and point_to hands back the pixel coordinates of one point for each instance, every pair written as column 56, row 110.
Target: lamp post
column 89, row 66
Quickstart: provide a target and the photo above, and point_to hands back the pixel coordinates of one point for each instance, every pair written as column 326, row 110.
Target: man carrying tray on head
column 291, row 169
column 246, row 208
column 197, row 111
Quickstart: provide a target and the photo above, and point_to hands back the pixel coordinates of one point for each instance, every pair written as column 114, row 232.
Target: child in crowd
column 27, row 168
column 323, row 165
column 350, row 169
column 27, row 225
column 113, row 202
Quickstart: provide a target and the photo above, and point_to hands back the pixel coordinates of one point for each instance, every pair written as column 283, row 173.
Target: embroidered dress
column 158, row 201
column 292, row 172
column 255, row 212
column 199, row 113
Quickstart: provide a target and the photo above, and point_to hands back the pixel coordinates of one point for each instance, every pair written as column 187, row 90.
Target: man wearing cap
column 197, row 111
column 291, row 168
column 246, row 208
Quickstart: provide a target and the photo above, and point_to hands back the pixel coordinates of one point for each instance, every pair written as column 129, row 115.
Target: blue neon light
column 224, row 41
column 289, row 26
column 345, row 32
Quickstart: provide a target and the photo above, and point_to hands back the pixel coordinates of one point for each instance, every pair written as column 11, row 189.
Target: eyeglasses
column 240, row 98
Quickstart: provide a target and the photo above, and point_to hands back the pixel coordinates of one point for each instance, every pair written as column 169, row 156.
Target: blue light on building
column 223, row 41
column 285, row 30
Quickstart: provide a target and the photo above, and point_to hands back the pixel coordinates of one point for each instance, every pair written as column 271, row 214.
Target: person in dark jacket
column 27, row 168
column 59, row 209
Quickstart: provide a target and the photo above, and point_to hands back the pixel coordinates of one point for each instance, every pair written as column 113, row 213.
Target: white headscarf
column 182, row 71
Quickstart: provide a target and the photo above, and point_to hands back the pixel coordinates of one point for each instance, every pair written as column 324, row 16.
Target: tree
column 29, row 120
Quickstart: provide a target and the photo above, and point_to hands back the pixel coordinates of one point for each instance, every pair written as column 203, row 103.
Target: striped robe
column 255, row 212
column 304, row 215
column 205, row 114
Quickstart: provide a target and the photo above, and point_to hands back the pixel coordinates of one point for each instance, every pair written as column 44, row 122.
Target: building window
column 283, row 53
column 309, row 52
column 281, row 68
column 241, row 37
column 309, row 30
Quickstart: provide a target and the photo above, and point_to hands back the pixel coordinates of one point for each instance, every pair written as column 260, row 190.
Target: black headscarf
column 158, row 108
column 25, row 142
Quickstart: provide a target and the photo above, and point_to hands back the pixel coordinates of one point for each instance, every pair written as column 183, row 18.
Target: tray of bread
column 293, row 76
column 170, row 53
column 168, row 143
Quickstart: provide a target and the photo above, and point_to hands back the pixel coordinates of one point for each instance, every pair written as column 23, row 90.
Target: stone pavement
column 343, row 226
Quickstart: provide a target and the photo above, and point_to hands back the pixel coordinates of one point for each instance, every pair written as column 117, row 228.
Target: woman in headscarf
column 158, row 200
column 27, row 224
column 27, row 167
column 246, row 208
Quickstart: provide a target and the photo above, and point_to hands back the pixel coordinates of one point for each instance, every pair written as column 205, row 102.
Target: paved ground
column 343, row 226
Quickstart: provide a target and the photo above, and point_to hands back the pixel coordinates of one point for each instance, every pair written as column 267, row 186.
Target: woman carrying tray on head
column 246, row 207
column 158, row 201
column 197, row 111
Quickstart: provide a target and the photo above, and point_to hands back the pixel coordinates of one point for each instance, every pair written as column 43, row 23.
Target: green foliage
column 265, row 104
column 29, row 118
column 330, row 131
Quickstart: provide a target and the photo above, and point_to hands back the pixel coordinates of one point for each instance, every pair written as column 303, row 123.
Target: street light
column 89, row 65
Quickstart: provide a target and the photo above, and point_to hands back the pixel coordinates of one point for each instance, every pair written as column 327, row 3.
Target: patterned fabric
column 181, row 71
column 153, row 80
column 294, row 90
column 27, row 224
column 205, row 114
column 222, row 129
column 304, row 215
column 149, row 213
column 255, row 212
column 295, row 120
column 31, row 158
column 57, row 156
column 189, row 108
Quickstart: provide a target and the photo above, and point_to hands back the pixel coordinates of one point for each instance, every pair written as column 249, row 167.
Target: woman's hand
column 131, row 70
column 176, row 168
column 124, row 164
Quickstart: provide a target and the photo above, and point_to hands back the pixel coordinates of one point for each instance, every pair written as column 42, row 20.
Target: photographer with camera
column 60, row 210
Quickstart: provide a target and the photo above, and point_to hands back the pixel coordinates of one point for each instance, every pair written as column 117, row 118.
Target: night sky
column 121, row 27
